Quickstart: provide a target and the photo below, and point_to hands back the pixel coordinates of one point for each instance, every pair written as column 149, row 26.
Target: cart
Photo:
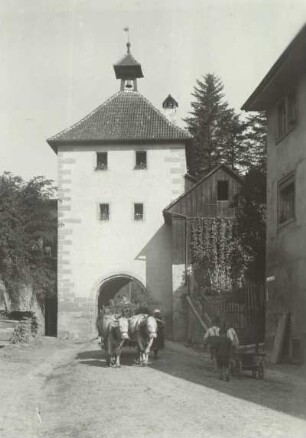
column 249, row 358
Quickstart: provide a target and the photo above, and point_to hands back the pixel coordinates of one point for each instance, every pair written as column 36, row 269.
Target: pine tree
column 254, row 140
column 215, row 127
column 251, row 221
column 233, row 151
column 251, row 201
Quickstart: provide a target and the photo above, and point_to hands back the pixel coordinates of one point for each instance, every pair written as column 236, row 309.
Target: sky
column 57, row 60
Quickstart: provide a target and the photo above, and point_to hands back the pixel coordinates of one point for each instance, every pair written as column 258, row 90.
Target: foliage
column 251, row 221
column 251, row 202
column 216, row 254
column 215, row 127
column 27, row 326
column 221, row 135
column 27, row 226
column 254, row 140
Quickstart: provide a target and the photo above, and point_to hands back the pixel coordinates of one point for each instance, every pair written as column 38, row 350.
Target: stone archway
column 121, row 285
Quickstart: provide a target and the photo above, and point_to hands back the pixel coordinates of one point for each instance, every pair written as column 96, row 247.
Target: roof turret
column 127, row 67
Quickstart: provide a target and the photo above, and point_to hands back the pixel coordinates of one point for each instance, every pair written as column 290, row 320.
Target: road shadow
column 97, row 357
column 275, row 391
column 94, row 363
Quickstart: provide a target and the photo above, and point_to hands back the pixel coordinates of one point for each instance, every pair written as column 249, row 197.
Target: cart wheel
column 261, row 371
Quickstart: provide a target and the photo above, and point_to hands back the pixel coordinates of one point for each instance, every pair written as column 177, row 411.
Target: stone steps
column 8, row 323
column 7, row 328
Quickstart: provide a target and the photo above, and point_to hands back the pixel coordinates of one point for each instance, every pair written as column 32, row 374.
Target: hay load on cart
column 123, row 307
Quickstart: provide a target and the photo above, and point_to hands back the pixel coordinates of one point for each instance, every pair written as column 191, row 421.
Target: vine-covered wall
column 216, row 255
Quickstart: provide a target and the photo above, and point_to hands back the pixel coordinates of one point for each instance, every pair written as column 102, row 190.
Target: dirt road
column 178, row 395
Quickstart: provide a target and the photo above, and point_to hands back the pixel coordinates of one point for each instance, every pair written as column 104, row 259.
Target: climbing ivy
column 216, row 255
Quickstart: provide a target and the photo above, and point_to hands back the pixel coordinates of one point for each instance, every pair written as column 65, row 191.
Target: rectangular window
column 222, row 190
column 138, row 212
column 104, row 212
column 141, row 160
column 282, row 118
column 286, row 199
column 292, row 110
column 286, row 115
column 101, row 161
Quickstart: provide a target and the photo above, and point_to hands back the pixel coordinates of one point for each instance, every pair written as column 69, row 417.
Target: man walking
column 223, row 351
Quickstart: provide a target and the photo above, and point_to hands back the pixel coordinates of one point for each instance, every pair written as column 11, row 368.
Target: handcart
column 249, row 358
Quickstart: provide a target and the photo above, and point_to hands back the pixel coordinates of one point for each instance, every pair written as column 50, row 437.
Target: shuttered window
column 101, row 161
column 222, row 190
column 286, row 115
column 286, row 200
column 141, row 160
column 104, row 212
column 138, row 212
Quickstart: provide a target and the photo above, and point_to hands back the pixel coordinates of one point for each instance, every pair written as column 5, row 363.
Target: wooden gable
column 204, row 200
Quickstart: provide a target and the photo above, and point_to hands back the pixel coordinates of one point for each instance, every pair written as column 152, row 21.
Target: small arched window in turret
column 128, row 85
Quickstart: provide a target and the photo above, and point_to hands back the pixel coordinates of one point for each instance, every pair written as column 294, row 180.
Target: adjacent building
column 282, row 94
column 210, row 197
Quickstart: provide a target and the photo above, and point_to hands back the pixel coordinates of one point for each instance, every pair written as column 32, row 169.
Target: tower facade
column 117, row 169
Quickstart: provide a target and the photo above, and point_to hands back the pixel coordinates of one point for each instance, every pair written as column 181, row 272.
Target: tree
column 28, row 228
column 251, row 202
column 254, row 140
column 222, row 136
column 251, row 221
column 215, row 127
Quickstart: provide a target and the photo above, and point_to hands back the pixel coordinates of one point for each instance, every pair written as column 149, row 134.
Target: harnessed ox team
column 143, row 331
column 115, row 330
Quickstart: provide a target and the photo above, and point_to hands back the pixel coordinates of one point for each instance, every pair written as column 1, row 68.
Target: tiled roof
column 283, row 75
column 127, row 60
column 125, row 117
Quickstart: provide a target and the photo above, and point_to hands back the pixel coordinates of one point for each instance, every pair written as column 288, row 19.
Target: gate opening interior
column 118, row 287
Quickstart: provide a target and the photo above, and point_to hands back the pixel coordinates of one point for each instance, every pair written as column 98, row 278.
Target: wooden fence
column 244, row 311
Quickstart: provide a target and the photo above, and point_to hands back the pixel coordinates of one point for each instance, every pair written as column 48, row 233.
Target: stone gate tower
column 118, row 168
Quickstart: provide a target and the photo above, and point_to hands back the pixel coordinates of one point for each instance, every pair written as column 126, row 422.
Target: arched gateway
column 119, row 286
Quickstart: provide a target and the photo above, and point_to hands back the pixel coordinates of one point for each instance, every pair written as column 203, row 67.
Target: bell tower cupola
column 128, row 70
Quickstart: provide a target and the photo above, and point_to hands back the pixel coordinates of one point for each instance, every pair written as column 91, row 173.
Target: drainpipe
column 186, row 259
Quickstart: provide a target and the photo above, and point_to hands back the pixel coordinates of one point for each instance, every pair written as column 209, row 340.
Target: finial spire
column 128, row 44
column 128, row 69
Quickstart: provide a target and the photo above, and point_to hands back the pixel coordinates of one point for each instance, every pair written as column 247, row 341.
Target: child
column 232, row 335
column 223, row 351
column 159, row 341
